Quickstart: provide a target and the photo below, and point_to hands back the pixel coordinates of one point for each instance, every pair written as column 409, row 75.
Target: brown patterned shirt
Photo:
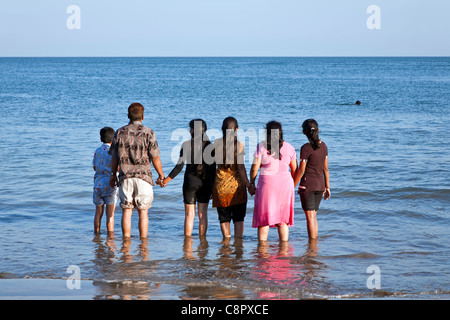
column 228, row 188
column 134, row 146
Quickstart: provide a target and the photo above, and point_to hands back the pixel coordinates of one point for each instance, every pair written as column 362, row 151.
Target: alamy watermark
column 374, row 280
column 73, row 22
column 374, row 20
column 74, row 280
column 196, row 153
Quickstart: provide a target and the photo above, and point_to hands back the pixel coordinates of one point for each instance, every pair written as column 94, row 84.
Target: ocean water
column 383, row 234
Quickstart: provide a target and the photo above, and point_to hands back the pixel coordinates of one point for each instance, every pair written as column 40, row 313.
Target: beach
column 383, row 234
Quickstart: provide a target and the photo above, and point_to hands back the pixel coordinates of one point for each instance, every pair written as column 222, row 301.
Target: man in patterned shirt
column 133, row 150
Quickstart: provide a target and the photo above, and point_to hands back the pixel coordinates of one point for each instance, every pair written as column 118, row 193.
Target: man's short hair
column 135, row 111
column 107, row 134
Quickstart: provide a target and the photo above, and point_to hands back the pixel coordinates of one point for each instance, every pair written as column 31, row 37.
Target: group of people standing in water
column 217, row 170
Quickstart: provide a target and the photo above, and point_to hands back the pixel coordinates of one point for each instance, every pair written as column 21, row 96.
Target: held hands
column 162, row 182
column 113, row 182
column 251, row 189
column 159, row 181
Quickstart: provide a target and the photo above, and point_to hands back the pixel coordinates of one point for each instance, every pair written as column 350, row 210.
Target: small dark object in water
column 358, row 102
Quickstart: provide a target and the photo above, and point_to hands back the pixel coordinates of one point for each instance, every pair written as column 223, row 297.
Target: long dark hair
column 229, row 123
column 311, row 131
column 199, row 141
column 274, row 141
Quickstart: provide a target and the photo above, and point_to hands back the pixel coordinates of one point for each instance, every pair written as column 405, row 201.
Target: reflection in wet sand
column 226, row 269
column 208, row 278
column 190, row 253
column 116, row 264
column 125, row 290
column 282, row 274
column 273, row 268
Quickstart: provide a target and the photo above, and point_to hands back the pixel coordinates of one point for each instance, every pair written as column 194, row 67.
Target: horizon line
column 237, row 56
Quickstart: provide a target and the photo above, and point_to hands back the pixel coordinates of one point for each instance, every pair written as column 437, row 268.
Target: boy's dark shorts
column 311, row 200
column 236, row 212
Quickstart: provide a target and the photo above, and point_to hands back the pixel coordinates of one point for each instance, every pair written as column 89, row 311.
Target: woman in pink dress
column 274, row 197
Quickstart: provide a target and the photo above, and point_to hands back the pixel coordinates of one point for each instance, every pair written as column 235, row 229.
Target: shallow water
column 388, row 162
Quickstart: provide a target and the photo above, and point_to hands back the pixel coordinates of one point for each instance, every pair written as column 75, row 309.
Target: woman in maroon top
column 313, row 175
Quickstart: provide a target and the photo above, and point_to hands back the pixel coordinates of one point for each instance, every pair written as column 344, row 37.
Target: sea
column 383, row 234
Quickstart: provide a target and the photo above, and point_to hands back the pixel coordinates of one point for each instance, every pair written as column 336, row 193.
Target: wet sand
column 60, row 289
column 64, row 289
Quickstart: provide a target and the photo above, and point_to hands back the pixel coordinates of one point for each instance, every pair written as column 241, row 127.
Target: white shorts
column 135, row 193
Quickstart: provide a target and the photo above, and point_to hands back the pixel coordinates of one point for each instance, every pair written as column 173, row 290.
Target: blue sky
column 225, row 28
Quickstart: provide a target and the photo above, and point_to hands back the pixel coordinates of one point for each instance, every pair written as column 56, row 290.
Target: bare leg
column 263, row 233
column 98, row 218
column 283, row 232
column 225, row 228
column 143, row 223
column 126, row 222
column 189, row 210
column 110, row 208
column 203, row 218
column 311, row 224
column 239, row 229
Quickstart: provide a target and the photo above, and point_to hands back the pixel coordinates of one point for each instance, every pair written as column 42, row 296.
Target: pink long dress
column 274, row 197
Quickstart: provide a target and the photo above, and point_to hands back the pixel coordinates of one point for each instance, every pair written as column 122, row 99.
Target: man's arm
column 114, row 168
column 158, row 167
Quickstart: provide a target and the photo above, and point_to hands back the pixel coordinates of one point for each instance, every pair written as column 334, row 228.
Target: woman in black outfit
column 198, row 177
